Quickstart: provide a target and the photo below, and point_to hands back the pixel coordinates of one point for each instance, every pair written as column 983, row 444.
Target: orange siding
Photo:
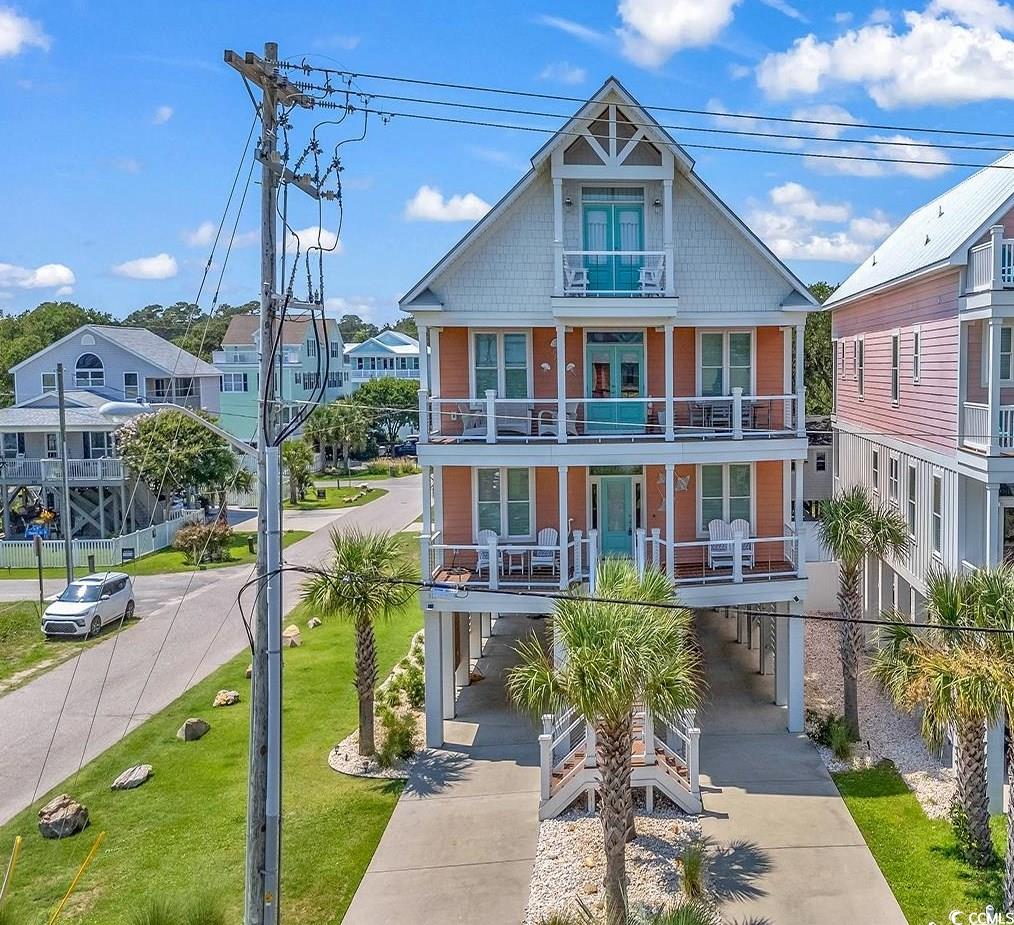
column 574, row 349
column 457, row 499
column 547, row 498
column 454, row 362
column 685, row 347
column 654, row 358
column 577, row 508
column 543, row 352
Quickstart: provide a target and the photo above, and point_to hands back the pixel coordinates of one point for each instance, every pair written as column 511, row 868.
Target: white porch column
column 475, row 636
column 800, row 381
column 564, row 528
column 667, row 238
column 994, row 525
column 427, row 501
column 781, row 657
column 461, row 671
column 447, row 664
column 796, row 663
column 557, row 236
column 487, row 625
column 669, row 378
column 800, row 550
column 438, row 511
column 670, row 520
column 993, row 380
column 434, row 682
column 561, row 383
column 996, row 240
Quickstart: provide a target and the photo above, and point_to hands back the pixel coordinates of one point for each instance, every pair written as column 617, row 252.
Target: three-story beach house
column 609, row 366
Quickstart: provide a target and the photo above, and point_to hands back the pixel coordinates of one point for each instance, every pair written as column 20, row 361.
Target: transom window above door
column 726, row 362
column 500, row 363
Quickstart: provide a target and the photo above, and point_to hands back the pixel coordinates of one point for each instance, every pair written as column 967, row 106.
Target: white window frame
column 230, row 377
column 896, row 367
column 860, row 360
column 102, row 370
column 55, row 387
column 137, row 386
column 698, row 368
column 504, row 537
column 702, row 528
column 912, row 499
column 500, row 364
column 893, row 478
column 52, row 446
column 916, row 353
column 311, row 347
column 855, row 358
column 820, row 461
column 937, row 514
column 876, row 471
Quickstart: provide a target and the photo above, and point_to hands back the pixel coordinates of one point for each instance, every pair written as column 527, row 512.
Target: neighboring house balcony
column 229, row 356
column 986, row 385
column 991, row 264
column 176, row 391
column 362, row 375
column 26, row 471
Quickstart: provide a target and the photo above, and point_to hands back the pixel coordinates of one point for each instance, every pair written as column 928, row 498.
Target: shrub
column 399, row 737
column 204, row 542
column 694, row 864
column 822, row 726
column 692, row 912
column 200, row 910
column 392, row 468
column 414, row 685
column 839, row 739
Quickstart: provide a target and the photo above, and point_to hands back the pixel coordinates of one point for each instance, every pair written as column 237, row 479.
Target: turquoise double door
column 614, row 364
column 613, row 227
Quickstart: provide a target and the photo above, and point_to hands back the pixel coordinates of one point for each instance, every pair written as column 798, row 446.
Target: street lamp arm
column 129, row 409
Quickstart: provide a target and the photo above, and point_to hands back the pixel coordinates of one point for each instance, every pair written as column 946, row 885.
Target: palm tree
column 955, row 678
column 344, row 424
column 617, row 655
column 853, row 526
column 368, row 578
column 683, row 912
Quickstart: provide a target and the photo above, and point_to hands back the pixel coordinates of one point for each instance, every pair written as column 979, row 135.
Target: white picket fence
column 107, row 553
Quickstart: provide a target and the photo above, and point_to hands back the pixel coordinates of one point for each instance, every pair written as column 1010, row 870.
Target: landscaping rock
column 132, row 777
column 61, row 817
column 291, row 637
column 225, row 698
column 193, row 729
column 313, row 623
column 475, row 676
column 249, row 671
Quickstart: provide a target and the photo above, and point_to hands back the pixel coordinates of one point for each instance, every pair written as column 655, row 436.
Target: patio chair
column 742, row 527
column 575, row 278
column 513, row 418
column 720, row 550
column 473, row 420
column 547, row 421
column 651, row 276
column 546, row 557
column 484, row 538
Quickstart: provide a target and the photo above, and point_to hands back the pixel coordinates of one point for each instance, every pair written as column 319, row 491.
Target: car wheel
column 128, row 612
column 93, row 630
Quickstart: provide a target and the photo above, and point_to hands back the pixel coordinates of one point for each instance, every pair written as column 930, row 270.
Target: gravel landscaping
column 886, row 733
column 570, row 862
column 345, row 759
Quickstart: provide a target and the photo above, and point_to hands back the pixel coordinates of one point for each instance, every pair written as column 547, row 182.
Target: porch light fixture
column 568, row 202
column 657, row 203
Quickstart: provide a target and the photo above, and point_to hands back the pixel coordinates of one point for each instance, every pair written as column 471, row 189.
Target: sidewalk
column 788, row 849
column 461, row 842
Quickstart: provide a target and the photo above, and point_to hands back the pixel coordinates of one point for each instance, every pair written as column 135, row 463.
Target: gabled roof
column 242, row 329
column 421, row 296
column 143, row 343
column 937, row 234
column 386, row 342
column 24, row 417
column 74, row 398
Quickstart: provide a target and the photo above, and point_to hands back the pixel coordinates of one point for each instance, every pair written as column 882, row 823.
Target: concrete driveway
column 189, row 626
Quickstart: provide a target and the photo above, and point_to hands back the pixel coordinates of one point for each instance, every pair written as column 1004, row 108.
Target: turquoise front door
column 614, row 370
column 613, row 227
column 616, row 515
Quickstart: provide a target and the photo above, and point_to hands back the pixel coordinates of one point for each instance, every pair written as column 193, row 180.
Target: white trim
column 895, row 366
column 701, row 527
column 860, row 367
column 499, row 333
column 637, row 511
column 42, row 382
column 505, row 538
column 916, row 354
column 90, row 385
column 912, row 500
column 894, row 486
column 139, row 386
column 726, row 388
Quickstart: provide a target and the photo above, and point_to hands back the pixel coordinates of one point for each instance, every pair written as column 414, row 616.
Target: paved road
column 189, row 626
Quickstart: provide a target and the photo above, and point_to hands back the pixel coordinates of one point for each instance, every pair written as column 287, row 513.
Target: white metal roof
column 936, row 234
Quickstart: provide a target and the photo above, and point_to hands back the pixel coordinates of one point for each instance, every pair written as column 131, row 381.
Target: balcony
column 991, row 264
column 616, row 273
column 362, row 375
column 250, row 357
column 595, row 420
column 976, row 429
column 25, row 471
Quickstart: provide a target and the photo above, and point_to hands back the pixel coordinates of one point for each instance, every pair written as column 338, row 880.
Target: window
column 49, row 382
column 876, row 470
column 1005, row 352
column 311, row 348
column 861, row 365
column 501, row 364
column 839, row 352
column 911, row 499
column 52, row 446
column 88, row 372
column 895, row 368
column 131, row 386
column 336, row 350
column 725, row 493
column 820, row 462
column 855, row 356
column 726, row 362
column 12, row 445
column 236, row 382
column 892, row 479
column 938, row 514
column 504, row 501
column 98, row 444
column 916, row 353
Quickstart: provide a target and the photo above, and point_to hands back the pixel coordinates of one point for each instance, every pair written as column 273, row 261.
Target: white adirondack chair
column 742, row 527
column 720, row 550
column 484, row 538
column 575, row 277
column 547, row 421
column 544, row 557
column 473, row 420
column 652, row 276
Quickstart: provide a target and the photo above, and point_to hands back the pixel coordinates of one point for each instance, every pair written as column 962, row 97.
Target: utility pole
column 263, row 855
column 65, row 519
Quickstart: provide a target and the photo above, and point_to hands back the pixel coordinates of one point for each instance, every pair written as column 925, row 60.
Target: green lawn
column 335, row 498
column 183, row 831
column 918, row 856
column 165, row 561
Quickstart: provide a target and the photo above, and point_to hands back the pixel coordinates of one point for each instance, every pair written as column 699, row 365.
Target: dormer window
column 89, row 372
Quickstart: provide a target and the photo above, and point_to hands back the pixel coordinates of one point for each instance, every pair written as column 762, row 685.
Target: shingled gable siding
column 927, row 412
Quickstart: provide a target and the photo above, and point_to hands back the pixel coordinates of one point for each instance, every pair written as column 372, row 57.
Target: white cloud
column 952, row 52
column 47, row 276
column 799, row 201
column 19, row 32
column 739, row 71
column 429, row 205
column 880, row 15
column 786, row 9
column 362, row 305
column 161, row 266
column 563, row 72
column 874, row 227
column 572, row 28
column 162, row 115
column 842, row 17
column 127, row 164
column 64, row 290
column 914, row 158
column 314, row 238
column 653, row 30
column 201, row 236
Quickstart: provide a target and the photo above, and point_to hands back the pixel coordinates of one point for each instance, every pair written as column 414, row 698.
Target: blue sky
column 123, row 127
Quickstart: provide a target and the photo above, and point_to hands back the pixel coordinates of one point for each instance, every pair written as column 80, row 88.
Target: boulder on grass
column 132, row 777
column 313, row 623
column 61, row 817
column 193, row 729
column 291, row 637
column 249, row 671
column 225, row 698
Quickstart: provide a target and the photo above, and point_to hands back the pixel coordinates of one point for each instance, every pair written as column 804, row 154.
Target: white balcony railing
column 250, row 357
column 616, row 273
column 991, row 264
column 976, row 429
column 361, row 375
column 593, row 419
column 36, row 471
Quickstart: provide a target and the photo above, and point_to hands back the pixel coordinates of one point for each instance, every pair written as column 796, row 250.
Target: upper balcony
column 231, row 356
column 991, row 264
column 21, row 470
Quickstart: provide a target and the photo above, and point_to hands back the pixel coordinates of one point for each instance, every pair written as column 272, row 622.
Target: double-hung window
column 311, row 348
column 726, row 362
column 895, row 368
column 504, row 501
column 861, row 366
column 938, row 514
column 892, row 479
column 52, row 446
column 916, row 353
column 876, row 470
column 725, row 493
column 131, row 386
column 48, row 382
column 911, row 499
column 235, row 382
column 500, row 364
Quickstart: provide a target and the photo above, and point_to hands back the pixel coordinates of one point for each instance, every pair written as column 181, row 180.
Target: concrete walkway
column 788, row 849
column 461, row 842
